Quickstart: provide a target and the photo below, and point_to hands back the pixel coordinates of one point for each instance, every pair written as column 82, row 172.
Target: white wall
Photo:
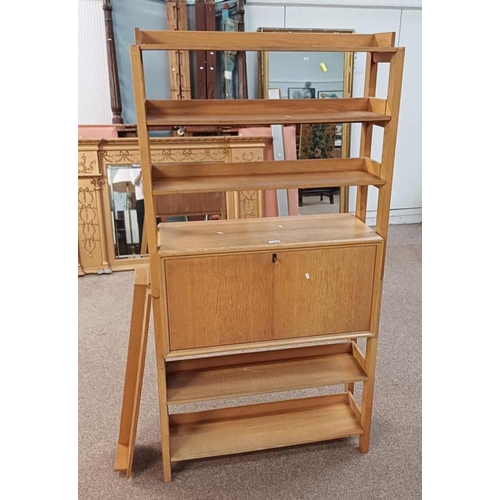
column 404, row 17
column 407, row 187
column 94, row 103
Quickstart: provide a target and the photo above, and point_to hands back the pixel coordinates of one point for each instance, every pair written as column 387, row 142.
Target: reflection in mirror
column 127, row 209
column 301, row 75
column 126, row 197
column 313, row 75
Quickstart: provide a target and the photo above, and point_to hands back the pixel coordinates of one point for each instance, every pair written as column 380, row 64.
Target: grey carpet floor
column 331, row 470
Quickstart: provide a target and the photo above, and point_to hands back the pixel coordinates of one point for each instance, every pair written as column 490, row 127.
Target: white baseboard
column 398, row 216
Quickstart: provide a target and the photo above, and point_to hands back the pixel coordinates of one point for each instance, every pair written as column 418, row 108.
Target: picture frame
column 301, row 93
column 318, row 141
column 330, row 94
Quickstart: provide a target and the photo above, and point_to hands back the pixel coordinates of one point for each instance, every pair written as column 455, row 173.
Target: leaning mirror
column 126, row 210
column 315, row 75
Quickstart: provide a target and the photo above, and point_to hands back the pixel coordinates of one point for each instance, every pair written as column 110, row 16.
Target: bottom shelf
column 259, row 427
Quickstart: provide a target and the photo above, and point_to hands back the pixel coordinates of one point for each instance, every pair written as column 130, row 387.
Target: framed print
column 301, row 93
column 330, row 94
column 317, row 141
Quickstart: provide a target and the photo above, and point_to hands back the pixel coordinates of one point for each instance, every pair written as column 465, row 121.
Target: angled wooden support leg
column 144, row 241
column 134, row 372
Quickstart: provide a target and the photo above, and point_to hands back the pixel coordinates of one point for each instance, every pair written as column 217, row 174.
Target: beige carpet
column 331, row 470
column 313, row 205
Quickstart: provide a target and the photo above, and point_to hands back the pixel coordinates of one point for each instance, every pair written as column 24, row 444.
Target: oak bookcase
column 253, row 306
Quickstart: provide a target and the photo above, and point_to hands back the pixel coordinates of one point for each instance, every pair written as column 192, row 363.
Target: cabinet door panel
column 323, row 291
column 219, row 300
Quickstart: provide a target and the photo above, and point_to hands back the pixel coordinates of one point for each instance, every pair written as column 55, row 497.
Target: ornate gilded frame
column 263, row 88
column 96, row 252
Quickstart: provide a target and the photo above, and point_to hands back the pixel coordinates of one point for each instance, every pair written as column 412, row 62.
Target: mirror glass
column 313, row 75
column 127, row 209
column 303, row 75
column 126, row 202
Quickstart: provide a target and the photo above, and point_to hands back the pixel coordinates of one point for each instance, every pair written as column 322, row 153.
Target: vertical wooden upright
column 383, row 211
column 134, row 373
column 154, row 263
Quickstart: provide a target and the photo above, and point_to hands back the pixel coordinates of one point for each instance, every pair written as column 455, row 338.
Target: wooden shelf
column 259, row 427
column 293, row 42
column 265, row 111
column 269, row 233
column 290, row 174
column 250, row 347
column 265, row 372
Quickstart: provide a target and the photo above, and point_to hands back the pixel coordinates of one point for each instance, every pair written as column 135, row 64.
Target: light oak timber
column 269, row 234
column 212, row 177
column 360, row 358
column 161, row 328
column 368, row 389
column 199, row 169
column 354, row 406
column 384, row 39
column 371, row 351
column 365, row 147
column 356, row 352
column 239, row 182
column 275, row 345
column 299, row 293
column 134, row 373
column 202, row 363
column 373, row 167
column 377, row 105
column 265, row 111
column 257, row 373
column 366, row 135
column 268, row 41
column 322, row 290
column 227, row 287
column 389, row 144
column 259, row 427
column 382, row 57
column 210, row 302
column 382, row 226
column 145, row 156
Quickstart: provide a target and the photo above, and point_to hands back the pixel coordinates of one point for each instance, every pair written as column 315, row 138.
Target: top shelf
column 261, row 41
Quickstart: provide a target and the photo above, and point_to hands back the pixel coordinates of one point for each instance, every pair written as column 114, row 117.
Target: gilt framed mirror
column 314, row 75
